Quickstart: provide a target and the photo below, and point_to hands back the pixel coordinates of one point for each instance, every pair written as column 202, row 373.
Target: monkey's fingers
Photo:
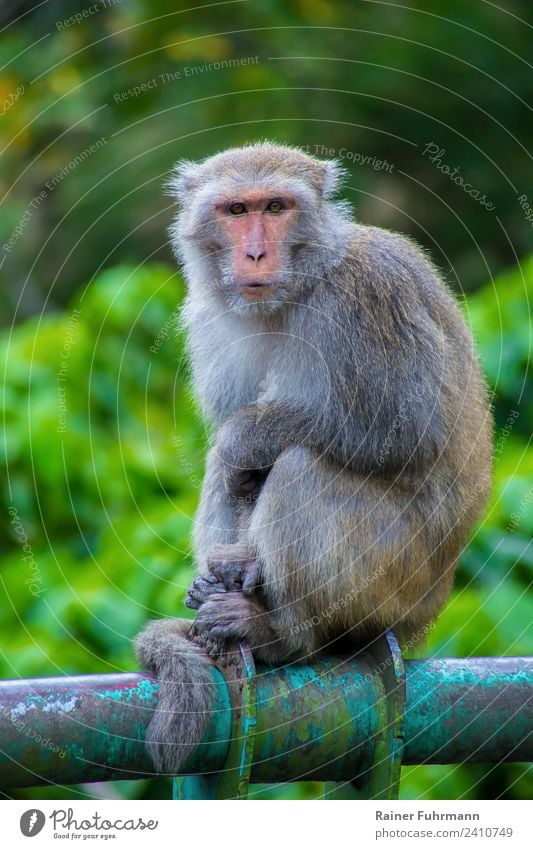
column 218, row 646
column 213, row 648
column 223, row 631
column 201, row 589
column 252, row 577
column 227, row 572
column 229, row 657
column 200, row 631
column 227, row 563
column 217, row 650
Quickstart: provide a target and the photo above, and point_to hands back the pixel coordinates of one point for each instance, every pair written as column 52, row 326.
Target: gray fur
column 187, row 692
column 352, row 401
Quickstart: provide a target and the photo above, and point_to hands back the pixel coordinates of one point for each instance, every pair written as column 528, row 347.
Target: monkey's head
column 257, row 224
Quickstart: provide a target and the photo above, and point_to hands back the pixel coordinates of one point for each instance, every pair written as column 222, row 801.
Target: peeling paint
column 315, row 721
column 60, row 705
column 20, row 710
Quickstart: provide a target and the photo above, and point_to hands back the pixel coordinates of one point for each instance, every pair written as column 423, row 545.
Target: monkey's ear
column 182, row 179
column 333, row 177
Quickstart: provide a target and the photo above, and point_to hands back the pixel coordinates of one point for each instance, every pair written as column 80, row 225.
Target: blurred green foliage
column 104, row 446
column 104, row 459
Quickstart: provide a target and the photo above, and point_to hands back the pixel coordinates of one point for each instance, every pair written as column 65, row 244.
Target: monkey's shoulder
column 389, row 278
column 389, row 260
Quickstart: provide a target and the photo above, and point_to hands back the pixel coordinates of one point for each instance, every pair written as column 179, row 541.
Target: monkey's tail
column 187, row 692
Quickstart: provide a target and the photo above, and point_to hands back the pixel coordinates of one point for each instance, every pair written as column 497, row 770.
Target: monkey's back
column 409, row 305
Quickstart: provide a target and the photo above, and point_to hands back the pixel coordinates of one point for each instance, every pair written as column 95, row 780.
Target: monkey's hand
column 202, row 588
column 232, row 568
column 235, row 575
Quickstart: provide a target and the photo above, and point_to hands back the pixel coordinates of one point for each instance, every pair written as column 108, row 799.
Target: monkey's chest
column 263, row 368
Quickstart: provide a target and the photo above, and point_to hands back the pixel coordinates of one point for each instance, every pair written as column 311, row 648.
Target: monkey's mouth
column 255, row 288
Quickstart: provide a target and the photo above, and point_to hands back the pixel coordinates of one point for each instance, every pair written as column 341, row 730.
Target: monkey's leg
column 345, row 555
column 341, row 555
column 275, row 622
column 225, row 562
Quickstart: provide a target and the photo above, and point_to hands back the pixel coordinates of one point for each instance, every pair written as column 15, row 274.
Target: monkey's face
column 256, row 230
column 258, row 225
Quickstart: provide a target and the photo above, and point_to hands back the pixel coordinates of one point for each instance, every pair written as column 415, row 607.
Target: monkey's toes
column 211, row 646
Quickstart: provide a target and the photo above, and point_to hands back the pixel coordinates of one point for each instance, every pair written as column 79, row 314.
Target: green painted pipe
column 469, row 709
column 314, row 721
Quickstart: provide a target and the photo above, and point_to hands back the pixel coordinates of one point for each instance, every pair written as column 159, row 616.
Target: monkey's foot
column 226, row 619
column 218, row 650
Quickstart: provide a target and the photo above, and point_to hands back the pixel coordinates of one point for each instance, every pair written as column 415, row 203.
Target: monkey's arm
column 407, row 434
column 381, row 409
column 249, row 443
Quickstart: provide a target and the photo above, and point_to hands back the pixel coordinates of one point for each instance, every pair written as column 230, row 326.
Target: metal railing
column 349, row 722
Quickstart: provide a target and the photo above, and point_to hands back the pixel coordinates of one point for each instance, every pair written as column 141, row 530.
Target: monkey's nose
column 255, row 254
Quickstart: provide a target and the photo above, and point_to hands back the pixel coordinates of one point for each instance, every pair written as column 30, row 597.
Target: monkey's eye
column 275, row 206
column 237, row 208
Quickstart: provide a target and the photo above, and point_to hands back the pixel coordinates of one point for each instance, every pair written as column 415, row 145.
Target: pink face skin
column 257, row 225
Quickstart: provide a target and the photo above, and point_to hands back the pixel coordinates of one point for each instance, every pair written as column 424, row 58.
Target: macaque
column 351, row 451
